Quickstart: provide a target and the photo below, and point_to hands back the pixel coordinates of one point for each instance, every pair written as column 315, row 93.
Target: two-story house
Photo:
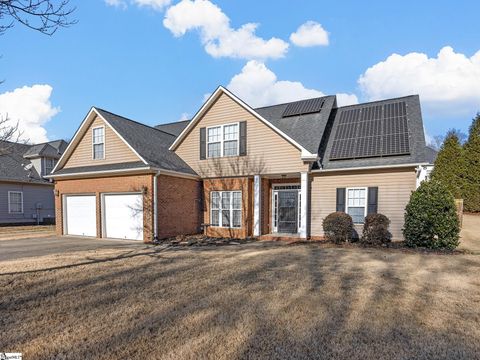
column 275, row 171
column 26, row 195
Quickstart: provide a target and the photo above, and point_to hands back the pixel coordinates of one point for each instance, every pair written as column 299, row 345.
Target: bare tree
column 9, row 134
column 45, row 16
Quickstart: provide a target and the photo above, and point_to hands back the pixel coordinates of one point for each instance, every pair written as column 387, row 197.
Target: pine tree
column 449, row 166
column 472, row 167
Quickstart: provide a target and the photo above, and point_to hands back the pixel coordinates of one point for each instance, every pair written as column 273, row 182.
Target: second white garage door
column 123, row 216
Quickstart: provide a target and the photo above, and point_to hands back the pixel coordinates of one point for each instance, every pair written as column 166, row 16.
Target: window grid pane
column 226, row 218
column 15, row 202
column 237, row 218
column 214, row 150
column 98, row 152
column 230, row 148
column 214, row 134
column 356, row 205
column 230, row 132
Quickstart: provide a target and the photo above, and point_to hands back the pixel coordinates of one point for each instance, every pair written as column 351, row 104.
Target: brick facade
column 179, row 200
column 179, row 206
column 243, row 184
column 97, row 186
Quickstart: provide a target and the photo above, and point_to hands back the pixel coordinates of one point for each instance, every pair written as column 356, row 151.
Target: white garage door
column 80, row 212
column 123, row 216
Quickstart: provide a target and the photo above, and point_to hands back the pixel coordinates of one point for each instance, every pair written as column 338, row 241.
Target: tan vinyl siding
column 394, row 189
column 267, row 151
column 116, row 151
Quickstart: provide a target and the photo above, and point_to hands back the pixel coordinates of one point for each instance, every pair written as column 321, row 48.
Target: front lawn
column 258, row 300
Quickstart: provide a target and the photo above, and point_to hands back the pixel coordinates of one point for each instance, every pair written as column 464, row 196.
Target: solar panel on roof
column 304, row 107
column 371, row 131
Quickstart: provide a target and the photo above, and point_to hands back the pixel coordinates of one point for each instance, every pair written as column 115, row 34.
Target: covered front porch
column 280, row 206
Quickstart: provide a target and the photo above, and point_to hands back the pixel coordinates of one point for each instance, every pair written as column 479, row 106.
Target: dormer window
column 49, row 165
column 98, row 143
column 222, row 140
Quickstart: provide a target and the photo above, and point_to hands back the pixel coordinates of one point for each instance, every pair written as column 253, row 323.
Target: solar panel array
column 304, row 107
column 371, row 131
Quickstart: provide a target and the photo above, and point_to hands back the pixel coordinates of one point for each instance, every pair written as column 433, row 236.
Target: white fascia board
column 176, row 174
column 370, row 167
column 102, row 172
column 212, row 98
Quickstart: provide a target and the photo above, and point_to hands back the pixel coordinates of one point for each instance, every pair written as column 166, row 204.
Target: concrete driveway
column 41, row 246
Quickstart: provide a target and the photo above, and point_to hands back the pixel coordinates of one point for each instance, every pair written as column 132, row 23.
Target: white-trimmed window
column 98, row 135
column 15, row 202
column 223, row 140
column 49, row 165
column 226, row 209
column 357, row 204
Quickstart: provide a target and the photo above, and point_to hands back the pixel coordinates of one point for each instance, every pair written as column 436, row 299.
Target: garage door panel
column 81, row 215
column 123, row 216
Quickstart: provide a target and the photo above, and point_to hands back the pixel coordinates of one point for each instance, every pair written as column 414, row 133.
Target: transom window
column 49, row 165
column 15, row 202
column 222, row 140
column 226, row 209
column 98, row 143
column 357, row 204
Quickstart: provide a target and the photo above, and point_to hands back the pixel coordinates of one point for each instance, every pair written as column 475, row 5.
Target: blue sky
column 127, row 58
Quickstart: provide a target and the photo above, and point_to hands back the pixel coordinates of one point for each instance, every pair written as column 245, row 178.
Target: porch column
column 304, row 205
column 257, row 199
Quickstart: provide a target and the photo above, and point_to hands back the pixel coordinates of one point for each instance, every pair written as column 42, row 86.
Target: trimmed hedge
column 338, row 227
column 375, row 230
column 431, row 218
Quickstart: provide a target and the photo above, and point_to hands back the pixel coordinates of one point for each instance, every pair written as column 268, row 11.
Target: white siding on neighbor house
column 32, row 194
column 267, row 151
column 394, row 189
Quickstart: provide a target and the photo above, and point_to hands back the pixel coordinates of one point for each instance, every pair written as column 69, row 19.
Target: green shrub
column 471, row 194
column 375, row 230
column 430, row 218
column 338, row 227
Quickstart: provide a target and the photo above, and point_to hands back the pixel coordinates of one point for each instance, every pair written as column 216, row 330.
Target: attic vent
column 304, row 107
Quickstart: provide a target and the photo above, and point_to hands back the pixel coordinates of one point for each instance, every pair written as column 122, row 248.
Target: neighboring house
column 274, row 171
column 26, row 196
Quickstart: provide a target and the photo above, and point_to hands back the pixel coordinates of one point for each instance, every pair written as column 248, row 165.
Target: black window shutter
column 243, row 138
column 372, row 200
column 341, row 199
column 203, row 143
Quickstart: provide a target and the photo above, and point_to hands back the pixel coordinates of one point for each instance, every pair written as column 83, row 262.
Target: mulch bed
column 202, row 240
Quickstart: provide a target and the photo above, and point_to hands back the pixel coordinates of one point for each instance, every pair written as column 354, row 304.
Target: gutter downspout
column 155, row 207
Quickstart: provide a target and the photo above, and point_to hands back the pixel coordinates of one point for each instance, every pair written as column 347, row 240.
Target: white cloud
column 158, row 5
column 258, row 86
column 184, row 116
column 448, row 84
column 154, row 4
column 217, row 36
column 30, row 106
column 117, row 3
column 308, row 34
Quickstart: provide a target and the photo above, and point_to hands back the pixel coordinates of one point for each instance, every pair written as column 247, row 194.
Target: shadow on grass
column 248, row 302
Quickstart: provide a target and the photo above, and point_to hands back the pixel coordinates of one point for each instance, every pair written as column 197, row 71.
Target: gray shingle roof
column 13, row 161
column 431, row 154
column 307, row 129
column 174, row 128
column 51, row 149
column 418, row 152
column 150, row 143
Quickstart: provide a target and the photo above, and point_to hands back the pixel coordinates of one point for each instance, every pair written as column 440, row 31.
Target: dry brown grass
column 259, row 300
column 26, row 231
